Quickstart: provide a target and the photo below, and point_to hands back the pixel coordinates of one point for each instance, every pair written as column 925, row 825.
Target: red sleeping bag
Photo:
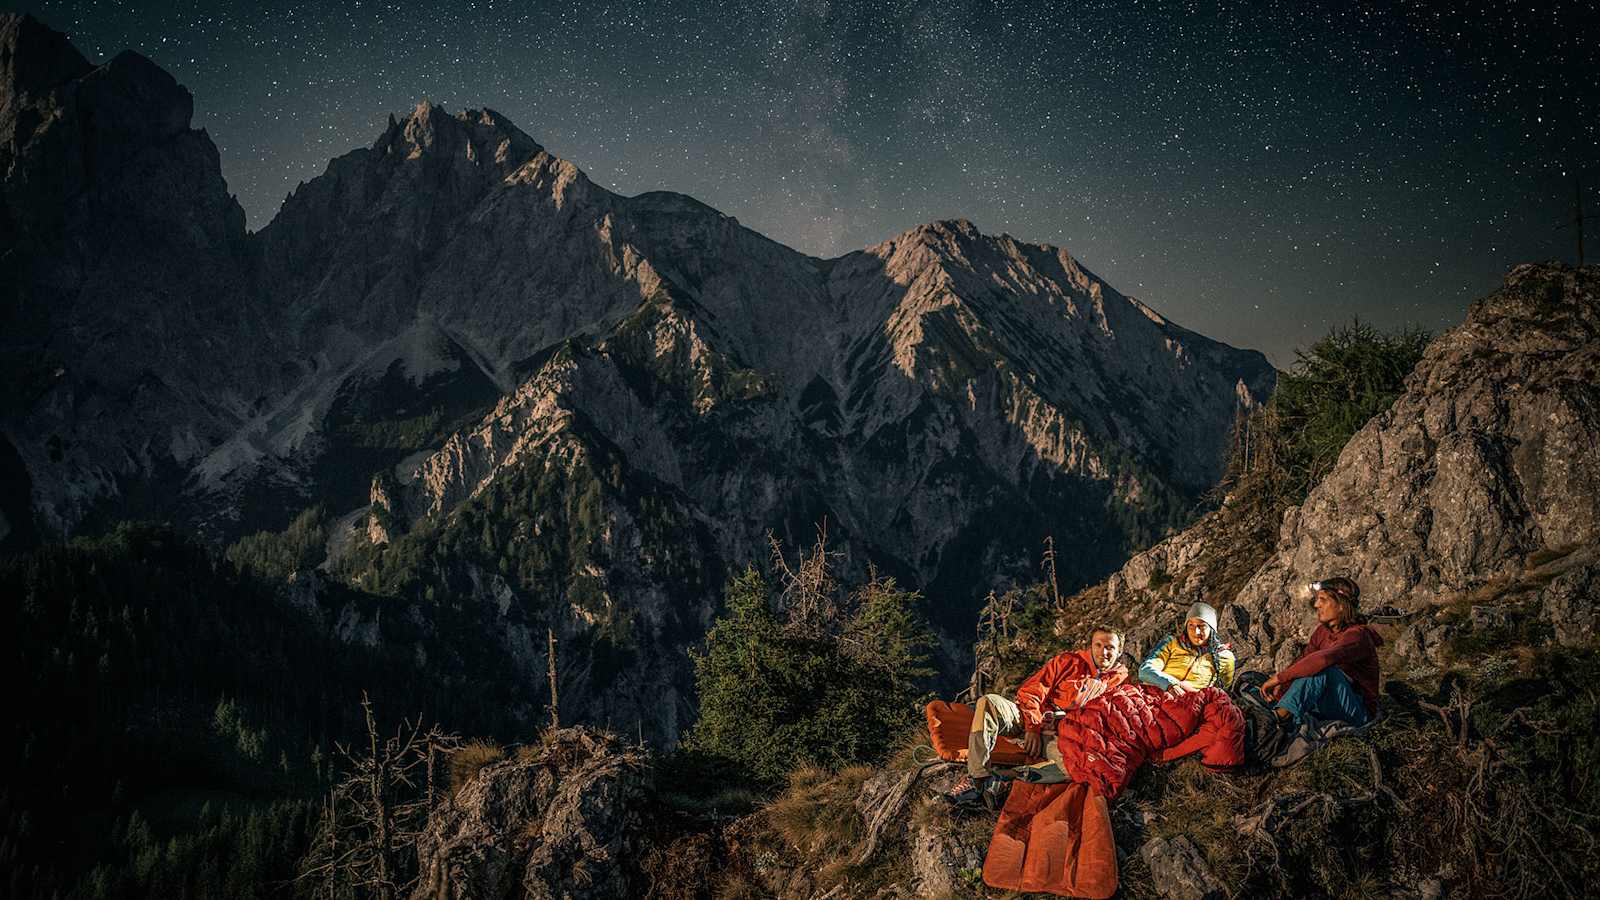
column 1107, row 741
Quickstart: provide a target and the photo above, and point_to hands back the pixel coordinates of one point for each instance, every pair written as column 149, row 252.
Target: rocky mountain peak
column 34, row 59
column 73, row 134
column 478, row 135
column 136, row 100
column 682, row 379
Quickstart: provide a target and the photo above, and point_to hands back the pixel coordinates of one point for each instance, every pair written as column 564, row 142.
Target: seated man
column 1069, row 680
column 1192, row 659
column 1336, row 676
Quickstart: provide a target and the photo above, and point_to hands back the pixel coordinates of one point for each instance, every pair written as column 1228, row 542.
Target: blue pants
column 1325, row 696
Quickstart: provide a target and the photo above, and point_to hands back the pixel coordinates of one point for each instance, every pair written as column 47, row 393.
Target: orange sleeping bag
column 1055, row 838
column 949, row 724
column 1050, row 837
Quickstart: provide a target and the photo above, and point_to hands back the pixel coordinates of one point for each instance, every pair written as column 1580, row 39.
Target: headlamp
column 1315, row 588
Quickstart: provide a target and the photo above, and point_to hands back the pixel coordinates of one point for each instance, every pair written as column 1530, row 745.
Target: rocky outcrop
column 1467, row 490
column 1150, row 594
column 1472, row 504
column 562, row 820
column 944, row 859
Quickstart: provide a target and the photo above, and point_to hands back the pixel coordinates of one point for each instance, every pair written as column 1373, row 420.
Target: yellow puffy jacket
column 1173, row 660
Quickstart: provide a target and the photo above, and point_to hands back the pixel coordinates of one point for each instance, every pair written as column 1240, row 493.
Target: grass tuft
column 466, row 763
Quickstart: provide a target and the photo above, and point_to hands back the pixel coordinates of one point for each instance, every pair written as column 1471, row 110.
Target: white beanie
column 1204, row 613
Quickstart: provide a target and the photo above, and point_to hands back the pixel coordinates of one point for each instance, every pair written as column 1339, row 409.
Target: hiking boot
column 968, row 792
column 1299, row 744
column 995, row 792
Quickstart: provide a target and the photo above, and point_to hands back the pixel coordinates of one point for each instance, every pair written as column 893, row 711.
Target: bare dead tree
column 988, row 622
column 366, row 842
column 1578, row 218
column 555, row 698
column 1049, row 565
column 995, row 635
column 808, row 591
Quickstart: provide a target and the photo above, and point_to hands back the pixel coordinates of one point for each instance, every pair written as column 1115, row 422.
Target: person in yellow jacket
column 1192, row 659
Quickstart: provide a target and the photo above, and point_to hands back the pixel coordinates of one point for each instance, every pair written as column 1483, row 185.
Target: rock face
column 1209, row 561
column 128, row 342
column 1479, row 477
column 1178, row 871
column 1472, row 503
column 564, row 821
column 940, row 854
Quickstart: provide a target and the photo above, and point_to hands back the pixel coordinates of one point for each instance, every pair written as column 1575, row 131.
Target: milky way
column 1258, row 172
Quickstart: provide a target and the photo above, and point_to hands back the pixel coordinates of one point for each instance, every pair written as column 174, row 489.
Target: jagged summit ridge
column 464, row 225
column 482, row 129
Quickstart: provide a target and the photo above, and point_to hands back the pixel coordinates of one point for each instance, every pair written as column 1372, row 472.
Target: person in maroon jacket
column 1336, row 676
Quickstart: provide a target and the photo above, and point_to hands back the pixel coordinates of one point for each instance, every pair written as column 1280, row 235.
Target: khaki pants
column 995, row 716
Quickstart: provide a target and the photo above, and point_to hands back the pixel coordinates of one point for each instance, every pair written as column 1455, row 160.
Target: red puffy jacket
column 1105, row 742
column 1056, row 685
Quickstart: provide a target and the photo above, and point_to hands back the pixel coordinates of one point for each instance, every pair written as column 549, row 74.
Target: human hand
column 1032, row 745
column 1178, row 689
column 1271, row 689
column 1090, row 689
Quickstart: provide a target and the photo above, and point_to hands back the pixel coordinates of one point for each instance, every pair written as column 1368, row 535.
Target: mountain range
column 541, row 404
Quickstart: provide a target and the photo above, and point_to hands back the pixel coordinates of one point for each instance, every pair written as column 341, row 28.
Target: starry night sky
column 1258, row 172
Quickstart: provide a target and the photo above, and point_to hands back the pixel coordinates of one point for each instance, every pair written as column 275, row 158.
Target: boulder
column 940, row 852
column 1178, row 871
column 562, row 819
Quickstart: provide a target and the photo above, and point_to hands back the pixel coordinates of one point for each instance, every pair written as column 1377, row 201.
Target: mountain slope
column 1471, row 505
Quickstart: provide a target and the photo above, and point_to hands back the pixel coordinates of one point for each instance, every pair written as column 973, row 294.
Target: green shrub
column 778, row 693
column 1333, row 389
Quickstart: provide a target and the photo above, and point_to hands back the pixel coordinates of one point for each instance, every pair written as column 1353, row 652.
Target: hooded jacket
column 1175, row 659
column 1353, row 650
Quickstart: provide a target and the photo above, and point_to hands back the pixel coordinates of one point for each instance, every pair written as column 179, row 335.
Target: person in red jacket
column 1336, row 676
column 1069, row 680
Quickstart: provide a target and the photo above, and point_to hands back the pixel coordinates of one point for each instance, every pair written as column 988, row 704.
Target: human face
column 1199, row 632
column 1330, row 611
column 1103, row 649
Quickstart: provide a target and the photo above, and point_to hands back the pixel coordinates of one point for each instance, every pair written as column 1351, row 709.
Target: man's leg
column 1303, row 695
column 1325, row 695
column 992, row 717
column 1341, row 700
column 1051, row 770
